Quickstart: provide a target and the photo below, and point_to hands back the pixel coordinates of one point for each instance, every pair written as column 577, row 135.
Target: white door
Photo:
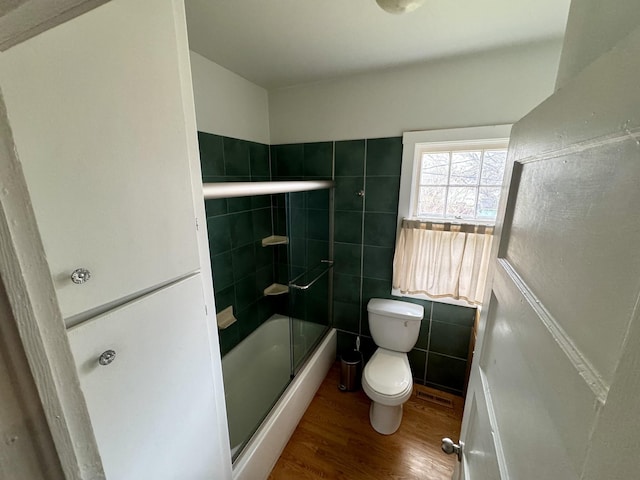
column 556, row 375
column 145, row 371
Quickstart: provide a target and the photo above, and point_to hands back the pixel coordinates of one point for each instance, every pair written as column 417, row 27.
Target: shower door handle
column 292, row 284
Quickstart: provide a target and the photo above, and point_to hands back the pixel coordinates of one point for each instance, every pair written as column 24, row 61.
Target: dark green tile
column 348, row 227
column 224, row 298
column 374, row 288
column 423, row 337
column 448, row 339
column 243, row 261
column 346, row 316
column 350, row 158
column 264, row 255
column 238, row 204
column 222, row 267
column 214, row 179
column 318, row 159
column 280, row 221
column 264, row 278
column 318, row 224
column 215, row 207
column 211, row 154
column 218, row 232
column 380, row 229
column 265, row 309
column 318, row 302
column 229, row 338
column 418, row 364
column 346, row 288
column 248, row 320
column 346, row 343
column 318, row 199
column 241, row 228
column 296, row 200
column 236, row 157
column 246, row 291
column 446, row 371
column 384, row 156
column 261, row 223
column 346, row 193
column 259, row 160
column 347, row 258
column 298, row 252
column 443, row 312
column 317, row 250
column 367, row 347
column 297, row 223
column 382, row 194
column 260, row 201
column 288, row 160
column 378, row 262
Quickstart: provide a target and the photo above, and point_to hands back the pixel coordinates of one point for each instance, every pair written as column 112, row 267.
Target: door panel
column 568, row 207
column 152, row 409
column 559, row 345
column 480, row 453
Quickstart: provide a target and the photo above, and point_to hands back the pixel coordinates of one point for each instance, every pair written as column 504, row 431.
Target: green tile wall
column 364, row 236
column 241, row 266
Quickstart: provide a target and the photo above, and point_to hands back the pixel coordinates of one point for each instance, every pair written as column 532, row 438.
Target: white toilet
column 387, row 378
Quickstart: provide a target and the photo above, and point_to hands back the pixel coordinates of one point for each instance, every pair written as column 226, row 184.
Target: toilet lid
column 388, row 373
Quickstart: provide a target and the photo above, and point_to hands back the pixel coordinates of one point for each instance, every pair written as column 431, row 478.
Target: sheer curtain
column 442, row 260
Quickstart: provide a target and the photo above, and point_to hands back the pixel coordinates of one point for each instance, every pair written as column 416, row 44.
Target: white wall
column 227, row 104
column 496, row 87
column 594, row 27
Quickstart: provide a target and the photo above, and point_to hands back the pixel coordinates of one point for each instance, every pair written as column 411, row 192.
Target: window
column 459, row 182
column 451, row 182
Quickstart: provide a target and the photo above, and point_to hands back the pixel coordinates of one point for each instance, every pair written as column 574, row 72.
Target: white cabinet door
column 555, row 379
column 152, row 407
column 96, row 110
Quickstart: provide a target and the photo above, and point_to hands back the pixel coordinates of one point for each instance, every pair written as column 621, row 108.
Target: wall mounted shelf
column 276, row 289
column 275, row 240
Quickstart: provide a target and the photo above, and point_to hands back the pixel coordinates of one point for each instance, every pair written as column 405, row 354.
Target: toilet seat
column 387, row 377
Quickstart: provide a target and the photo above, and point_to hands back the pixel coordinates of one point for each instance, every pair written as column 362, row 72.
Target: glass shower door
column 309, row 222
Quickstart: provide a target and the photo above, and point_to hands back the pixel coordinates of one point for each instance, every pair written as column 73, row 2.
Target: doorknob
column 449, row 447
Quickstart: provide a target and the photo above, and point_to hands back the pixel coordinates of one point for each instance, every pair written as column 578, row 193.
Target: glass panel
column 488, row 198
column 431, row 201
column 465, row 168
column 308, row 222
column 435, row 169
column 461, row 202
column 493, row 167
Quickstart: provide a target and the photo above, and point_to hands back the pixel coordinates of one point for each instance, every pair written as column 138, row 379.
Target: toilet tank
column 394, row 325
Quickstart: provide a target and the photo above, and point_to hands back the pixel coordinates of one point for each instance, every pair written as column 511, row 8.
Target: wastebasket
column 350, row 370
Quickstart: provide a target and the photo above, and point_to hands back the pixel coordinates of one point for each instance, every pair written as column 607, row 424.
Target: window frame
column 451, row 146
column 411, row 141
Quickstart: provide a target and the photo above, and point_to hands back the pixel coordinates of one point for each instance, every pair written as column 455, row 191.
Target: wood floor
column 334, row 440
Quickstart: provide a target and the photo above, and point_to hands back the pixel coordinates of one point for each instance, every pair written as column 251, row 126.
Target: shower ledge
column 276, row 289
column 275, row 240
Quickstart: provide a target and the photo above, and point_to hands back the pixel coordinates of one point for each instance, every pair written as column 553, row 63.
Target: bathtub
column 256, row 374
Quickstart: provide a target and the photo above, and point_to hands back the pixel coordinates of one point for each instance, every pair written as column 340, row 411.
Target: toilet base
column 385, row 419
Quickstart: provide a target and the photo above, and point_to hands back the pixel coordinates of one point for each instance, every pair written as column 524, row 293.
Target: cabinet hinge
column 197, row 224
column 206, row 310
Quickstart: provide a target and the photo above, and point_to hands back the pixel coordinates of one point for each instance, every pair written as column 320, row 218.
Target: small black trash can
column 350, row 371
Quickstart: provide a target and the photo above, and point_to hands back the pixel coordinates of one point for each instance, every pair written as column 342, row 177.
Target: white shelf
column 276, row 289
column 275, row 240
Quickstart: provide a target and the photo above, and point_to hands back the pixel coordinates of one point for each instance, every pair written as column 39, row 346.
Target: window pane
column 461, row 202
column 488, row 198
column 435, row 169
column 465, row 168
column 493, row 167
column 431, row 201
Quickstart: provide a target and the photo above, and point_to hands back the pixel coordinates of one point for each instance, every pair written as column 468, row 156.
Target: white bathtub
column 255, row 373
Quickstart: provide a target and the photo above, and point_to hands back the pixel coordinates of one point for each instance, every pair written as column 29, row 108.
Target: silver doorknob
column 449, row 447
column 80, row 276
column 107, row 357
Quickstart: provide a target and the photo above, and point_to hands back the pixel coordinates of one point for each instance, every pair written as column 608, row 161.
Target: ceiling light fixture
column 399, row 6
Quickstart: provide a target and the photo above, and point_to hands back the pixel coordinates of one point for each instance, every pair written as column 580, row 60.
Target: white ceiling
column 278, row 43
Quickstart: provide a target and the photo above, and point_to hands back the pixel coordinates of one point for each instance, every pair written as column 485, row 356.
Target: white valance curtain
column 442, row 260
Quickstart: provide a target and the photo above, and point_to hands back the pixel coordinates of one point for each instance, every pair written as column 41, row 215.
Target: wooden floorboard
column 334, row 440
